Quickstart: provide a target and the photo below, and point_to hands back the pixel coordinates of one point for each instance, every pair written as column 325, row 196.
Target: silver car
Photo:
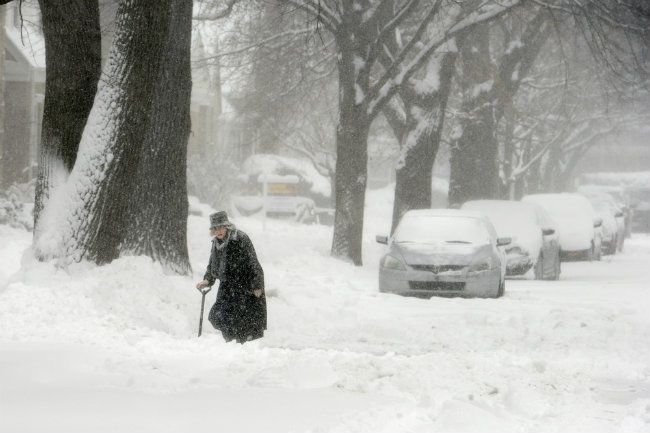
column 443, row 252
column 535, row 243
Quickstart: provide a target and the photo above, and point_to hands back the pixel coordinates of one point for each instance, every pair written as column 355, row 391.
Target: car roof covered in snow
column 445, row 212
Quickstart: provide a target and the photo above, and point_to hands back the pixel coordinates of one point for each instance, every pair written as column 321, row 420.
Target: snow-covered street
column 114, row 348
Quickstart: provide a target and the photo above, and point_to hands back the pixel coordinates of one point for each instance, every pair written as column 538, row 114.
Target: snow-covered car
column 577, row 223
column 640, row 203
column 535, row 242
column 616, row 194
column 444, row 252
column 305, row 210
column 613, row 228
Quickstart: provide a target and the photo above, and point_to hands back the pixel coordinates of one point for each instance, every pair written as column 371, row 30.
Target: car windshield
column 509, row 218
column 434, row 229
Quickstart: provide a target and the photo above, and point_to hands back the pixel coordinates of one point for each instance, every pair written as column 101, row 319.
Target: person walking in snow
column 240, row 309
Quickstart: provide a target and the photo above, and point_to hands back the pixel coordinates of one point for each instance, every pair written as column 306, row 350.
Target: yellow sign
column 281, row 189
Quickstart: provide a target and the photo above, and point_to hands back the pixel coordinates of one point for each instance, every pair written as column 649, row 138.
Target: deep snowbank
column 114, row 348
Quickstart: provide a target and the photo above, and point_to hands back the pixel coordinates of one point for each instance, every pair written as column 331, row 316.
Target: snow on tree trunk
column 351, row 148
column 156, row 219
column 420, row 137
column 85, row 217
column 351, row 180
column 474, row 151
column 73, row 50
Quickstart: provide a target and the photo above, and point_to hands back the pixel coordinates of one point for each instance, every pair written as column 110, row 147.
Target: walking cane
column 203, row 292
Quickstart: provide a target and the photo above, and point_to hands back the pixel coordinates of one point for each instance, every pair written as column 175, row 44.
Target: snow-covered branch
column 262, row 42
column 386, row 87
column 319, row 10
column 215, row 12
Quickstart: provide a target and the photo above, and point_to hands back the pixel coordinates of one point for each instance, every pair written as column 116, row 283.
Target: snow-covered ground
column 114, row 348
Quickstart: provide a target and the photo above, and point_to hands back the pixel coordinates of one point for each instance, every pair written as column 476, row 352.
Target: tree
column 125, row 191
column 615, row 33
column 417, row 121
column 73, row 66
column 490, row 73
column 361, row 29
column 563, row 110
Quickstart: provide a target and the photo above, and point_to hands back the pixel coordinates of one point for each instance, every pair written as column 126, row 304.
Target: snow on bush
column 16, row 206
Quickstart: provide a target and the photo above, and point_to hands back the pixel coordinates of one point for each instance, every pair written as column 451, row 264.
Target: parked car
column 613, row 228
column 305, row 209
column 535, row 242
column 447, row 252
column 640, row 203
column 577, row 223
column 616, row 194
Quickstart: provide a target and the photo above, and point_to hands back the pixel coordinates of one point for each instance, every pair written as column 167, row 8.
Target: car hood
column 440, row 253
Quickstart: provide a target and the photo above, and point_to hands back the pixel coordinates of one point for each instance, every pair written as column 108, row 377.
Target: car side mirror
column 548, row 231
column 598, row 222
column 382, row 239
column 503, row 241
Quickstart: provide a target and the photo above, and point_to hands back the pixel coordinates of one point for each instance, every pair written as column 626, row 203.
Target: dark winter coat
column 238, row 313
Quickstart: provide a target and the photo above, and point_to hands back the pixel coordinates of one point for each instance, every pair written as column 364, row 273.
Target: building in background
column 23, row 77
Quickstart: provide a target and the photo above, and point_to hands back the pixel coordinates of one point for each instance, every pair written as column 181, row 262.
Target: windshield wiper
column 458, row 242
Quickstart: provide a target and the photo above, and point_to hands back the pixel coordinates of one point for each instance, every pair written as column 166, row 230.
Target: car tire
column 539, row 267
column 557, row 268
column 501, row 289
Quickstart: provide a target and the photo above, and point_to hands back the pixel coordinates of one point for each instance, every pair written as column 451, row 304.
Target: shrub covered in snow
column 16, row 206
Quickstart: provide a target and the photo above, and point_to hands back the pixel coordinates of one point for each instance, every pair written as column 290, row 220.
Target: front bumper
column 518, row 264
column 453, row 283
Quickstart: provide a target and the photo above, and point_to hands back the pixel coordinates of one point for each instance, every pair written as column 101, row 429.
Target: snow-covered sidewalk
column 114, row 348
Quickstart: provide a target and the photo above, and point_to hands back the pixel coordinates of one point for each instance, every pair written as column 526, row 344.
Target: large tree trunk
column 474, row 151
column 85, row 220
column 156, row 220
column 474, row 160
column 73, row 55
column 488, row 89
column 425, row 115
column 351, row 150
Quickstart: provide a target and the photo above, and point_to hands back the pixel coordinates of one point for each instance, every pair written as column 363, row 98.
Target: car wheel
column 557, row 268
column 591, row 254
column 539, row 267
column 502, row 288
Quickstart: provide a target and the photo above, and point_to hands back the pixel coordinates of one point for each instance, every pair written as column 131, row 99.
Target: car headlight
column 390, row 262
column 484, row 264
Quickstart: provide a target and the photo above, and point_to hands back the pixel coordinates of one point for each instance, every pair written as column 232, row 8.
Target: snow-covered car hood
column 443, row 253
